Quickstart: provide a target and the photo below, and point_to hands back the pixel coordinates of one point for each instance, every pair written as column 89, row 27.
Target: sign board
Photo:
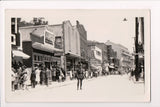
column 49, row 37
column 58, row 42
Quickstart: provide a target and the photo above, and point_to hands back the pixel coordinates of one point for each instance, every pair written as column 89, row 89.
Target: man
column 33, row 79
column 47, row 76
column 80, row 77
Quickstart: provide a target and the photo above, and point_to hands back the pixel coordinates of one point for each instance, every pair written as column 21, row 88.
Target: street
column 103, row 88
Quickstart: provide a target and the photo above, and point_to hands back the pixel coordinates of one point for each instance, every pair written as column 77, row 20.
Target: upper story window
column 98, row 53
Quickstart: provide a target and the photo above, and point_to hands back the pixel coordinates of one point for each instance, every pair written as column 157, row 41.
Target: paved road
column 105, row 88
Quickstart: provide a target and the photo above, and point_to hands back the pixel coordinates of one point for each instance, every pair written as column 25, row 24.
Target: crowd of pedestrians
column 22, row 77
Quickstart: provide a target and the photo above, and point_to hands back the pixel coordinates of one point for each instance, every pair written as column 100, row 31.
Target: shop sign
column 58, row 54
column 49, row 37
column 58, row 42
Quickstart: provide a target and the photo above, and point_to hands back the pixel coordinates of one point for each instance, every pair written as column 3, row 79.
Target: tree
column 34, row 22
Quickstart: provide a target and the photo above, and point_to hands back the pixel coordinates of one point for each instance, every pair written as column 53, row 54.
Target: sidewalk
column 51, row 85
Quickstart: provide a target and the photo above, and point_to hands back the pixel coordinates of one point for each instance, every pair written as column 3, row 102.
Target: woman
column 80, row 77
column 37, row 71
column 26, row 78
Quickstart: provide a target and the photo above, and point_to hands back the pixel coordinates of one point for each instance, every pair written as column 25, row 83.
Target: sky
column 101, row 25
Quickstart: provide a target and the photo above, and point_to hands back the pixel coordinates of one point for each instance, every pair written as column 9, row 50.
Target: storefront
column 43, row 54
column 72, row 62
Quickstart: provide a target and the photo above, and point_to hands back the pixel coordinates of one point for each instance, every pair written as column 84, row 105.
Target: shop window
column 38, row 58
column 98, row 53
column 41, row 58
column 35, row 57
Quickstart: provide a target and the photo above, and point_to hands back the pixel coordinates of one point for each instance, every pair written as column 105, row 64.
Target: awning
column 45, row 47
column 18, row 53
column 127, row 54
column 73, row 55
column 94, row 67
column 110, row 66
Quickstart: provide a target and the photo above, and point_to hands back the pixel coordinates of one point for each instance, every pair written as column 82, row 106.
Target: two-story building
column 40, row 43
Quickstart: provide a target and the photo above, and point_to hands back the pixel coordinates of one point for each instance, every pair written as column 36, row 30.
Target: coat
column 33, row 76
column 80, row 74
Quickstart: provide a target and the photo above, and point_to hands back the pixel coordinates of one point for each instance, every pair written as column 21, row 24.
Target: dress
column 27, row 77
column 37, row 75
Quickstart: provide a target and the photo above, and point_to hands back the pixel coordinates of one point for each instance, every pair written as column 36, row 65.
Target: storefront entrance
column 47, row 65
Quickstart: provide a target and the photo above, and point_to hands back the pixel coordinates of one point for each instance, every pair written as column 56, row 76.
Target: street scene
column 93, row 90
column 68, row 60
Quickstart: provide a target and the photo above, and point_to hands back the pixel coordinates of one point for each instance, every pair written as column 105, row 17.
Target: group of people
column 19, row 78
column 22, row 77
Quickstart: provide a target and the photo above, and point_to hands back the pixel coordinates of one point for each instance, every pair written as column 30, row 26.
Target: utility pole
column 136, row 49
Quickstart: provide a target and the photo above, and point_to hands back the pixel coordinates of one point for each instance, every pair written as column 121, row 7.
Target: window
column 35, row 57
column 38, row 58
column 98, row 53
column 12, row 39
column 58, row 42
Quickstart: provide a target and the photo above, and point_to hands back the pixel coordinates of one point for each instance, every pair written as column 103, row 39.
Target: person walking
column 80, row 77
column 33, row 79
column 71, row 73
column 57, row 74
column 37, row 71
column 47, row 76
column 13, row 78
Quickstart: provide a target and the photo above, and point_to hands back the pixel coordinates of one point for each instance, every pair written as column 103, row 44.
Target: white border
column 155, row 32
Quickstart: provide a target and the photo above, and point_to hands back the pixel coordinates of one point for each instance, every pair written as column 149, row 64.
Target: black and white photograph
column 77, row 55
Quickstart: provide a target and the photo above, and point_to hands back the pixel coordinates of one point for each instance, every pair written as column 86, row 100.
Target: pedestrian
column 13, row 80
column 80, row 77
column 47, row 72
column 21, row 77
column 33, row 79
column 37, row 71
column 87, row 74
column 131, row 74
column 71, row 73
column 26, row 78
column 64, row 74
column 54, row 74
column 57, row 74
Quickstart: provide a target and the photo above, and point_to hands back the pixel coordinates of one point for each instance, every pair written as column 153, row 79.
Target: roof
column 39, row 31
column 35, row 30
column 56, row 29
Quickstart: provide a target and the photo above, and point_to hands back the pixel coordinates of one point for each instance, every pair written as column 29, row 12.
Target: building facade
column 39, row 43
column 83, row 43
column 123, row 56
column 95, row 55
column 16, row 44
column 112, row 56
column 103, row 47
column 71, row 46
